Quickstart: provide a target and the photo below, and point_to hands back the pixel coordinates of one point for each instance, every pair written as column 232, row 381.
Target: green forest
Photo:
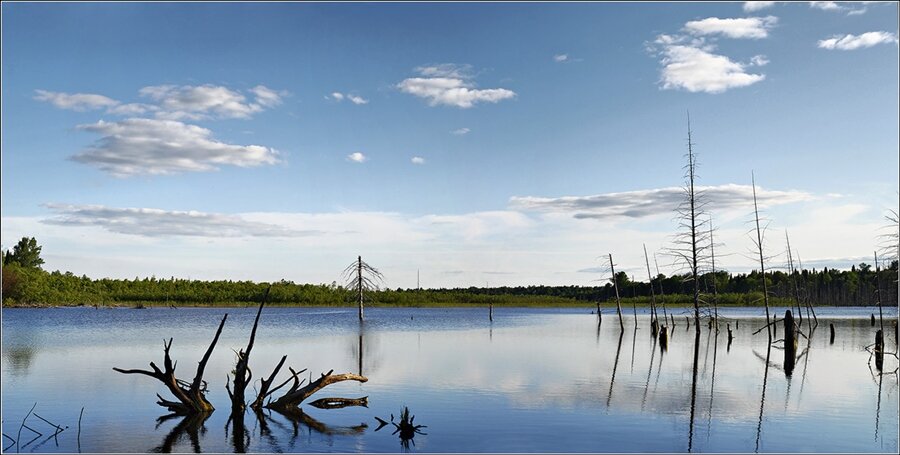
column 25, row 283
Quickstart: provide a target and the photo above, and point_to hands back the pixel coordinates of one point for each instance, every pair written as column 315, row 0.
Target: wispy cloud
column 357, row 157
column 150, row 222
column 460, row 131
column 560, row 58
column 151, row 146
column 451, row 85
column 646, row 203
column 208, row 101
column 739, row 28
column 756, row 6
column 851, row 8
column 851, row 42
column 75, row 101
column 355, row 99
column 417, row 160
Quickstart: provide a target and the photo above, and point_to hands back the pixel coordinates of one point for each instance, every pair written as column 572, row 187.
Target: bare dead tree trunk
column 759, row 245
column 191, row 397
column 616, row 287
column 242, row 373
column 662, row 291
column 359, row 287
column 712, row 256
column 296, row 394
column 654, row 324
column 878, row 295
column 693, row 203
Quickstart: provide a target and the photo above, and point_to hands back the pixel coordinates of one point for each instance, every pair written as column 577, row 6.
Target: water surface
column 533, row 380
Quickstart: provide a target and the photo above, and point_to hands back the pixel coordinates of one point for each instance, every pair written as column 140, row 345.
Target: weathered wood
column 191, row 398
column 295, row 395
column 831, row 339
column 616, row 287
column 337, row 403
column 790, row 343
column 242, row 373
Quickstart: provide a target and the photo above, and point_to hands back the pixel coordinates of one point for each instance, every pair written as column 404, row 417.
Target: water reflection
column 190, row 426
column 612, row 379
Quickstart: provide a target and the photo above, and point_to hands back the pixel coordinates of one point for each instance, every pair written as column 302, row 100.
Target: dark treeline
column 34, row 286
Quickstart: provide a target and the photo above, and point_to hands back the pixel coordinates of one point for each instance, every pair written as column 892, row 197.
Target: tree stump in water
column 663, row 338
column 873, row 319
column 790, row 343
column 737, row 324
column 654, row 328
column 832, row 333
column 730, row 335
column 879, row 350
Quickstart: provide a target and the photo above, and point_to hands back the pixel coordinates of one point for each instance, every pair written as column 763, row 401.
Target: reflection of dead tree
column 762, row 401
column 24, row 426
column 362, row 278
column 694, row 390
column 191, row 396
column 297, row 417
column 612, row 379
column 190, row 425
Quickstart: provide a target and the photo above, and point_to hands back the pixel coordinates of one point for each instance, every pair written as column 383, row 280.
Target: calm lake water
column 534, row 380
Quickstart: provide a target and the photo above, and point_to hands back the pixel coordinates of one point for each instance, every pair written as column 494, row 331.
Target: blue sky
column 479, row 143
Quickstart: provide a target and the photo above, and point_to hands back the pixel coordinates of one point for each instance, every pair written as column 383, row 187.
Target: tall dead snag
column 662, row 292
column 715, row 289
column 296, row 394
column 792, row 271
column 242, row 373
column 654, row 319
column 612, row 267
column 191, row 396
column 362, row 278
column 691, row 244
column 759, row 246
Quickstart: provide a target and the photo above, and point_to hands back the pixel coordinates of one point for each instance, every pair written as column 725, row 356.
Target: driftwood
column 191, row 397
column 337, row 403
column 296, row 394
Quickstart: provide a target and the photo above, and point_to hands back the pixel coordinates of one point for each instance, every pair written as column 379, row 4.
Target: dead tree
column 712, row 257
column 362, row 278
column 191, row 396
column 662, row 292
column 296, row 394
column 759, row 246
column 654, row 322
column 242, row 372
column 612, row 268
column 691, row 244
column 792, row 271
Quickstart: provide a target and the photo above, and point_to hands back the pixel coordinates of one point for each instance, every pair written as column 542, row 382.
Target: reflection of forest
column 19, row 358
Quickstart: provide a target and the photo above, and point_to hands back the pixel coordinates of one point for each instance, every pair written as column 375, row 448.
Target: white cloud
column 560, row 57
column 744, row 27
column 357, row 157
column 850, row 42
column 756, row 6
column 150, row 222
column 699, row 70
column 662, row 201
column 75, row 101
column 417, row 160
column 460, row 131
column 850, row 7
column 355, row 99
column 206, row 101
column 150, row 146
column 132, row 109
column 759, row 60
column 267, row 97
column 451, row 85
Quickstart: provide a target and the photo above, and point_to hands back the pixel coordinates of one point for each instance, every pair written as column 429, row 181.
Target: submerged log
column 191, row 397
column 337, row 403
